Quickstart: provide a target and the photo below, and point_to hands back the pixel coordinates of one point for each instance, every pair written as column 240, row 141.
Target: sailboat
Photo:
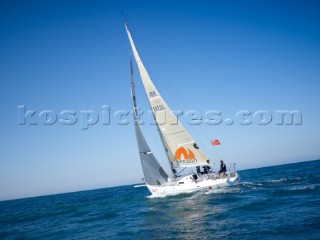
column 180, row 148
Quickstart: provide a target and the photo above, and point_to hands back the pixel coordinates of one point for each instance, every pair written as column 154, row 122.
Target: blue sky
column 202, row 55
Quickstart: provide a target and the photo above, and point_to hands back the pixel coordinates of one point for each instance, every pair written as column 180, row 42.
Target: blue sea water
column 279, row 202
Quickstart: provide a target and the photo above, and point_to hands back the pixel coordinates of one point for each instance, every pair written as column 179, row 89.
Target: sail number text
column 153, row 94
column 158, row 108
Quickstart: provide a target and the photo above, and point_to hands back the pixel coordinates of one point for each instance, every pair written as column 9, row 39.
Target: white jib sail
column 181, row 149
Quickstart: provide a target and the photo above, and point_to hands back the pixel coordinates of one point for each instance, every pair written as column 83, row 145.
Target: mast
column 181, row 149
column 133, row 93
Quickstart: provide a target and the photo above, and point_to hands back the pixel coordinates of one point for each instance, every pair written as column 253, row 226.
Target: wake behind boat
column 181, row 149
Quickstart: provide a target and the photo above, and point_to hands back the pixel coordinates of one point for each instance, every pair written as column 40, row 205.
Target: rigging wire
column 192, row 128
column 169, row 89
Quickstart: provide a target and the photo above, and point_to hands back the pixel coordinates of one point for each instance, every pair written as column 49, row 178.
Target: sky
column 69, row 60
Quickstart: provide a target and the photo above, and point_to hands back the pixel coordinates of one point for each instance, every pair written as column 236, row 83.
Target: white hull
column 188, row 184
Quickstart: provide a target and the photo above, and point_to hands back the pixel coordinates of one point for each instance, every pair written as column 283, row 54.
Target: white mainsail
column 181, row 149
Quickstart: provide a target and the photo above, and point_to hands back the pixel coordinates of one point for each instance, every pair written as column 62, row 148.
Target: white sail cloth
column 181, row 149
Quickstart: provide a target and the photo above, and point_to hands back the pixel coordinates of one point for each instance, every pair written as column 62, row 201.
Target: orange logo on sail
column 183, row 152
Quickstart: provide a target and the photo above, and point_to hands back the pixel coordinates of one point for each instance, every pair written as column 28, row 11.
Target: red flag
column 215, row 142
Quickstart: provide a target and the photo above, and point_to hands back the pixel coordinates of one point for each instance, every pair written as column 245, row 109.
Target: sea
column 278, row 202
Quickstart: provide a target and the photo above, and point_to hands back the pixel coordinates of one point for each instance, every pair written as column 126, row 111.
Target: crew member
column 223, row 168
